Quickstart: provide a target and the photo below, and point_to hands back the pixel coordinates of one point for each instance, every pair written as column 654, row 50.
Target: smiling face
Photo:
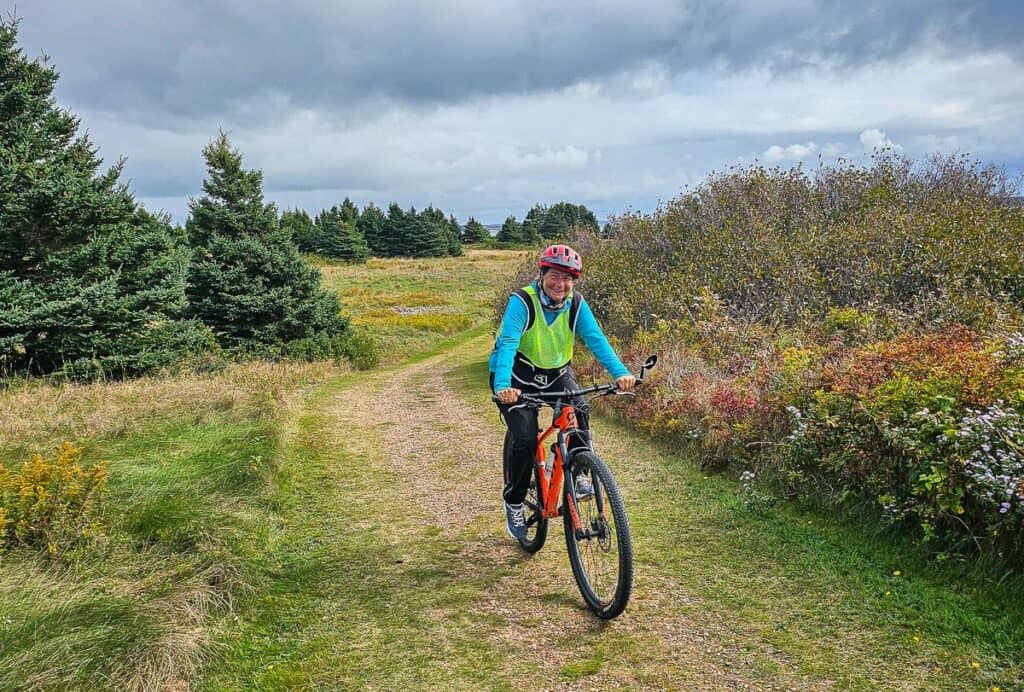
column 557, row 284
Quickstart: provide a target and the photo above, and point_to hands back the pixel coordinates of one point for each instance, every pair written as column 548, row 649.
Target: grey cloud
column 173, row 62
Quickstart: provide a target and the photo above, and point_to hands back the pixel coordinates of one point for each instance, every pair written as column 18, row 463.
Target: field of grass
column 409, row 304
column 191, row 459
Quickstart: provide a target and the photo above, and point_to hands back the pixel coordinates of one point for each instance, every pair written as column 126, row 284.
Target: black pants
column 521, row 432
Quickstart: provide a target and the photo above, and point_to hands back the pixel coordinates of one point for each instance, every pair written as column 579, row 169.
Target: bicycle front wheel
column 600, row 552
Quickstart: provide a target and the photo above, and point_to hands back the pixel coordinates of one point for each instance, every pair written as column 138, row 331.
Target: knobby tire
column 603, row 563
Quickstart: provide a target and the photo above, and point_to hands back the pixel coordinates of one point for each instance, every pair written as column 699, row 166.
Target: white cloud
column 874, row 138
column 794, row 152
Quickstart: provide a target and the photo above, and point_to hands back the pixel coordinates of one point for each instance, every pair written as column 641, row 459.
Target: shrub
column 915, row 427
column 52, row 503
column 912, row 244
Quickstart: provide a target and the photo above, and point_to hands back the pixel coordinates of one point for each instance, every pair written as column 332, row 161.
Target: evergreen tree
column 349, row 212
column 554, row 227
column 533, row 222
column 415, row 236
column 339, row 238
column 90, row 283
column 247, row 279
column 436, row 240
column 371, row 226
column 454, row 236
column 394, row 231
column 304, row 232
column 563, row 216
column 475, row 232
column 511, row 231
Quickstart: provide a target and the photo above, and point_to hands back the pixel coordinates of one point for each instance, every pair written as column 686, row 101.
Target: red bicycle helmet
column 562, row 257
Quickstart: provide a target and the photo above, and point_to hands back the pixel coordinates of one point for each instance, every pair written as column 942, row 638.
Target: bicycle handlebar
column 541, row 398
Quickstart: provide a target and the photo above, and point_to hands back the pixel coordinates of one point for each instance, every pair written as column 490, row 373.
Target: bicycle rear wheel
column 601, row 553
column 536, row 524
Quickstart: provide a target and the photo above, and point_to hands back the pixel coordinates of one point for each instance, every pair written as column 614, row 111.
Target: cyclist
column 533, row 353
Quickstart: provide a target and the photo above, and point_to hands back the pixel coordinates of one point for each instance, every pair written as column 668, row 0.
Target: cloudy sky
column 485, row 108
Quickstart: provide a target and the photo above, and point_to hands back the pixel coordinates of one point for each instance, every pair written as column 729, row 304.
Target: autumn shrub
column 51, row 503
column 904, row 243
column 927, row 429
column 840, row 336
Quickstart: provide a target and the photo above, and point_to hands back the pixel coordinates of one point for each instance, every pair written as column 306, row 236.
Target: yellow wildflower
column 896, row 573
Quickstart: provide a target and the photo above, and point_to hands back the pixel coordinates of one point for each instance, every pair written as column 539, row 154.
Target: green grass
column 206, row 480
column 408, row 305
column 350, row 606
column 185, row 516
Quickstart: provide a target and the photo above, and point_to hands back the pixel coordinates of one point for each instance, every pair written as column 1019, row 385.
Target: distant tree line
column 546, row 223
column 344, row 232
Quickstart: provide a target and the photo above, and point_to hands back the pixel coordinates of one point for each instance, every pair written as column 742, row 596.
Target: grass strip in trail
column 782, row 594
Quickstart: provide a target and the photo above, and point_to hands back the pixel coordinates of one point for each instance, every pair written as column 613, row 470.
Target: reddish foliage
column 956, row 354
column 731, row 405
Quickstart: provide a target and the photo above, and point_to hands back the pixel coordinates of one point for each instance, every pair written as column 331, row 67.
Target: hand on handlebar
column 625, row 383
column 508, row 396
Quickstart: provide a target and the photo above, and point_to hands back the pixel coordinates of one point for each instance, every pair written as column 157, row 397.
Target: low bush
column 53, row 503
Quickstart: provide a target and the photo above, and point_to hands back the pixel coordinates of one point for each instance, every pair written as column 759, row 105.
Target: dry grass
column 36, row 415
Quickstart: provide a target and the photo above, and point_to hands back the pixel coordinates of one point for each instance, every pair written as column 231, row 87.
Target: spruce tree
column 511, row 231
column 533, row 222
column 475, row 232
column 247, row 279
column 454, row 236
column 339, row 238
column 563, row 216
column 371, row 226
column 554, row 227
column 304, row 232
column 435, row 239
column 349, row 212
column 394, row 231
column 90, row 283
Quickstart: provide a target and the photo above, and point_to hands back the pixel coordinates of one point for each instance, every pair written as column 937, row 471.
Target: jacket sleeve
column 590, row 331
column 512, row 325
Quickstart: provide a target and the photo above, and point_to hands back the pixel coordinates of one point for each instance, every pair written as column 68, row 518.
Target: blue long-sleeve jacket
column 513, row 323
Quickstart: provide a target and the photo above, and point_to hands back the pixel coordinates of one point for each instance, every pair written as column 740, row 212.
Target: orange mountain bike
column 596, row 527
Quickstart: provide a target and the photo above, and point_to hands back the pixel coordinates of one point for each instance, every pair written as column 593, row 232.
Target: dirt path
column 440, row 439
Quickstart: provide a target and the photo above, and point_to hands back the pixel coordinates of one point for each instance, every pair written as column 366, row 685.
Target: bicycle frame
column 562, row 424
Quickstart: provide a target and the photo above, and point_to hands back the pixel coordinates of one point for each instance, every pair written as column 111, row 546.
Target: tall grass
column 192, row 465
